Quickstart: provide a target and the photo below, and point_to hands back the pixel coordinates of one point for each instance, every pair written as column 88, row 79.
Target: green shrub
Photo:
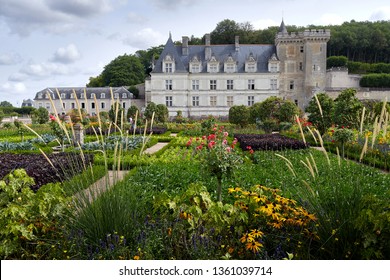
column 27, row 219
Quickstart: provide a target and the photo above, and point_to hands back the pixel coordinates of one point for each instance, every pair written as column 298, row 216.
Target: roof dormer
column 195, row 65
column 213, row 64
column 168, row 64
column 251, row 64
column 230, row 65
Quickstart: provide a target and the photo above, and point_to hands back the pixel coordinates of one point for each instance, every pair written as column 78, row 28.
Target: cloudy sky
column 54, row 43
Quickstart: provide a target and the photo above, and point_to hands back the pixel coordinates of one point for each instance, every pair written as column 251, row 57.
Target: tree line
column 365, row 42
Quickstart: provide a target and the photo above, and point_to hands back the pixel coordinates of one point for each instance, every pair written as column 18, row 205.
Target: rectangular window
column 195, row 84
column 93, row 105
column 168, row 101
column 213, row 68
column 168, row 84
column 251, row 84
column 251, row 100
column 103, row 105
column 213, row 84
column 274, row 68
column 300, row 66
column 195, row 101
column 124, row 105
column 274, row 84
column 229, row 84
column 195, row 68
column 229, row 68
column 229, row 101
column 82, row 105
column 291, row 85
column 168, row 67
column 213, row 101
column 301, row 49
column 64, row 105
column 250, row 68
column 73, row 105
column 48, row 106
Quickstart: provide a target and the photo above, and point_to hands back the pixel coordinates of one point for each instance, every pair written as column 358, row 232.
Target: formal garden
column 268, row 183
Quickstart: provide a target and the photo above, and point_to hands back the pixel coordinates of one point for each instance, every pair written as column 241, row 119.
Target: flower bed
column 268, row 142
column 38, row 167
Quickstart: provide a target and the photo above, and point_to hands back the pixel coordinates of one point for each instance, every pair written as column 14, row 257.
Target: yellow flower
column 136, row 257
column 254, row 246
column 236, row 189
column 246, row 238
column 256, row 233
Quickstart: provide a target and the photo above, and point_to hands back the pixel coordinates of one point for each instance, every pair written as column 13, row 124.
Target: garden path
column 112, row 177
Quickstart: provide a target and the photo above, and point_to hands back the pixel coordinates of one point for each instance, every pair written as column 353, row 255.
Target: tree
column 134, row 90
column 149, row 110
column 132, row 111
column 115, row 113
column 162, row 113
column 287, row 111
column 5, row 104
column 1, row 115
column 347, row 109
column 147, row 57
column 125, row 70
column 96, row 81
column 268, row 109
column 41, row 115
column 336, row 61
column 239, row 114
column 321, row 118
column 225, row 32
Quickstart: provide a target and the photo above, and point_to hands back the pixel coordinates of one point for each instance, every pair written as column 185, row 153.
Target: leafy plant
column 27, row 218
column 218, row 157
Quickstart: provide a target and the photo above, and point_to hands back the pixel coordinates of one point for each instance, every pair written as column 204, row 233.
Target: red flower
column 52, row 118
column 211, row 137
column 248, row 147
column 251, row 151
column 211, row 144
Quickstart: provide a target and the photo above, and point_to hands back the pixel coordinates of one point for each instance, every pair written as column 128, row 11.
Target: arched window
column 102, row 95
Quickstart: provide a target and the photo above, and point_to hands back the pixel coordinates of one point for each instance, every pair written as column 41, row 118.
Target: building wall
column 339, row 78
column 183, row 94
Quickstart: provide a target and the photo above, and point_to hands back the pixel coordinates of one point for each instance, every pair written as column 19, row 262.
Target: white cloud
column 135, row 18
column 14, row 87
column 264, row 23
column 173, row 4
column 44, row 70
column 329, row 19
column 10, row 58
column 144, row 38
column 382, row 13
column 26, row 16
column 17, row 77
column 67, row 55
column 80, row 8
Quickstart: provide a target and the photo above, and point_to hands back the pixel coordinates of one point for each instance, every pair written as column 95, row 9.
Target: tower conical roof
column 282, row 28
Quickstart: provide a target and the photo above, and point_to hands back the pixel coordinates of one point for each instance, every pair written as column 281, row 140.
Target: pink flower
column 248, row 147
column 224, row 142
column 225, row 134
column 211, row 144
column 228, row 149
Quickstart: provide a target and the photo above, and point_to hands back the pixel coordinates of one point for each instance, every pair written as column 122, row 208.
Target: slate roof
column 261, row 53
column 79, row 90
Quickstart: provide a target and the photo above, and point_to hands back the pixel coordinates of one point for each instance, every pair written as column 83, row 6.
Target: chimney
column 237, row 43
column 185, row 45
column 207, row 50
